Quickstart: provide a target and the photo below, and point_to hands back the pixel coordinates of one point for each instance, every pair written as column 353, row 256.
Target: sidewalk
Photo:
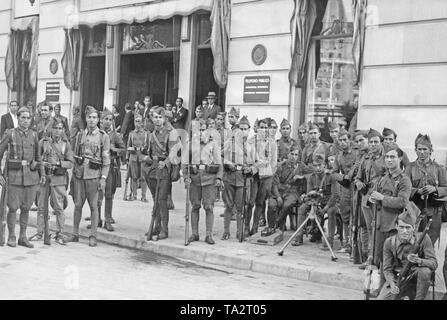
column 306, row 262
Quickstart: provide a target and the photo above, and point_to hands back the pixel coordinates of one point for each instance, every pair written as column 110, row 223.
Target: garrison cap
column 359, row 132
column 199, row 108
column 333, row 125
column 314, row 126
column 343, row 132
column 244, row 120
column 284, row 122
column 23, row 109
column 408, row 216
column 303, row 126
column 272, row 121
column 106, row 112
column 391, row 146
column 234, row 112
column 223, row 114
column 89, row 110
column 374, row 133
column 423, row 139
column 388, row 131
column 159, row 110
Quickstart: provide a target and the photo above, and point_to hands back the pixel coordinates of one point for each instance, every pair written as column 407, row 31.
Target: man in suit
column 9, row 120
column 180, row 116
column 213, row 109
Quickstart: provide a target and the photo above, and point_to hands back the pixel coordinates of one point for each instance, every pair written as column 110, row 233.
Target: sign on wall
column 24, row 8
column 52, row 91
column 256, row 89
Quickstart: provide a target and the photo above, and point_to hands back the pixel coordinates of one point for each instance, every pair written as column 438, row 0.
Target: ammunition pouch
column 59, row 171
column 212, row 168
column 14, row 164
column 95, row 164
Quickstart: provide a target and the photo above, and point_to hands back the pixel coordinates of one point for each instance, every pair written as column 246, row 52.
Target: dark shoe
column 262, row 223
column 225, row 236
column 297, row 242
column 87, row 219
column 60, row 239
column 108, row 226
column 92, row 241
column 72, row 238
column 193, row 237
column 162, row 235
column 38, row 236
column 47, row 241
column 12, row 242
column 112, row 221
column 99, row 225
column 209, row 240
column 267, row 232
column 25, row 243
column 246, row 233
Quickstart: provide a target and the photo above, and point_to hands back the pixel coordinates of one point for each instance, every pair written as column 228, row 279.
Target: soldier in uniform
column 206, row 173
column 368, row 174
column 163, row 145
column 113, row 180
column 138, row 140
column 285, row 143
column 44, row 124
column 287, row 187
column 77, row 125
column 266, row 156
column 320, row 179
column 428, row 179
column 389, row 137
column 57, row 158
column 303, row 136
column 92, row 164
column 334, row 130
column 23, row 174
column 64, row 120
column 315, row 146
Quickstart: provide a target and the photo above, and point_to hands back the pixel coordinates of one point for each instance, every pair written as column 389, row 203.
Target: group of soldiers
column 367, row 189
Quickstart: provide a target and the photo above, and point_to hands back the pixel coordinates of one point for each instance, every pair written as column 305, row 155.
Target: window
column 336, row 71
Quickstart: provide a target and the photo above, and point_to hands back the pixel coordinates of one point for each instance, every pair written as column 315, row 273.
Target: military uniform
column 113, row 180
column 58, row 154
column 138, row 140
column 311, row 150
column 43, row 126
column 205, row 169
column 86, row 175
column 284, row 147
column 23, row 174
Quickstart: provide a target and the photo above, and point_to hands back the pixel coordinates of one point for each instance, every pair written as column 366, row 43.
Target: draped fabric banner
column 305, row 22
column 220, row 35
column 358, row 37
column 72, row 58
column 17, row 39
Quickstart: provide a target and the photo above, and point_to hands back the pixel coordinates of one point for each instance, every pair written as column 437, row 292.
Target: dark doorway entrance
column 148, row 74
column 93, row 77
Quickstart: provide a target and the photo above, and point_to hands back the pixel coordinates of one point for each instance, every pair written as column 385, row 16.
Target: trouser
column 368, row 214
column 434, row 232
column 253, row 191
column 364, row 238
column 264, row 191
column 233, row 201
column 85, row 190
column 444, row 268
column 57, row 194
column 137, row 177
column 422, row 276
column 108, row 194
column 19, row 197
column 345, row 212
column 202, row 196
column 302, row 215
column 276, row 215
column 380, row 240
column 162, row 214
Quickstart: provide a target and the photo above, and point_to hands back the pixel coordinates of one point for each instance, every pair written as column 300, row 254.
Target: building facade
column 135, row 48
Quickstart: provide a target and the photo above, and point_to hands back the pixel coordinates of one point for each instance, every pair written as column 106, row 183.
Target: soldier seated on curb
column 288, row 186
column 322, row 182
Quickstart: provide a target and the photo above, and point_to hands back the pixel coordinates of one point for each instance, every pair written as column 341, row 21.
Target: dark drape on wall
column 74, row 52
column 358, row 37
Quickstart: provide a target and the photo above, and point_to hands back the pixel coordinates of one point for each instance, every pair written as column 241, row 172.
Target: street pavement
column 306, row 262
column 77, row 271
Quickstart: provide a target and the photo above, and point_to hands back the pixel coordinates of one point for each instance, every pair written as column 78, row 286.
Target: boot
column 12, row 242
column 108, row 226
column 46, row 233
column 72, row 238
column 92, row 241
column 99, row 224
column 209, row 239
column 25, row 243
column 193, row 237
column 298, row 241
column 162, row 235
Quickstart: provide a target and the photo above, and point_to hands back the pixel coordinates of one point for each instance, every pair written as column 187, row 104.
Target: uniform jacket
column 23, row 145
column 283, row 183
column 284, row 146
column 77, row 125
column 396, row 188
column 48, row 147
column 321, row 148
column 344, row 162
column 65, row 123
column 370, row 170
column 116, row 146
column 138, row 139
column 95, row 144
column 43, row 127
column 267, row 156
column 395, row 255
column 330, row 187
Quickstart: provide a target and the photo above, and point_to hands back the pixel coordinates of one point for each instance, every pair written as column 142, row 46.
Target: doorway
column 93, row 77
column 148, row 74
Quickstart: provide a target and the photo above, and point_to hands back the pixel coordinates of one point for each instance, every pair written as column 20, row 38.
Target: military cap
column 23, row 109
column 408, row 216
column 199, row 108
column 159, row 110
column 106, row 112
column 390, row 146
column 374, row 133
column 294, row 148
column 234, row 112
column 223, row 114
column 314, row 126
column 284, row 122
column 272, row 121
column 210, row 120
column 303, row 126
column 202, row 122
column 138, row 116
column 343, row 132
column 423, row 139
column 89, row 110
column 388, row 131
column 318, row 159
column 342, row 121
column 333, row 125
column 244, row 120
column 359, row 132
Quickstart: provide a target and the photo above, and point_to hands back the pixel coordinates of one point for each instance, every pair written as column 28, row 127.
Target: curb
column 319, row 275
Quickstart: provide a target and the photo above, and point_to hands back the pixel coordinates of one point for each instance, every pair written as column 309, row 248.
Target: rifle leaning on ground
column 405, row 276
column 154, row 208
column 188, row 177
column 244, row 195
column 125, row 198
column 3, row 206
column 356, row 251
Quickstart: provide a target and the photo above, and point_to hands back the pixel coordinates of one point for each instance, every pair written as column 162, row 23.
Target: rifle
column 244, row 195
column 372, row 269
column 356, row 254
column 127, row 183
column 154, row 209
column 4, row 200
column 405, row 276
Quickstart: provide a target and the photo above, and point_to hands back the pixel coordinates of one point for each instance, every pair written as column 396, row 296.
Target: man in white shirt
column 9, row 120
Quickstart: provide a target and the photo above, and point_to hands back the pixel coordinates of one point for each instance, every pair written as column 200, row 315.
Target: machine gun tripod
column 314, row 198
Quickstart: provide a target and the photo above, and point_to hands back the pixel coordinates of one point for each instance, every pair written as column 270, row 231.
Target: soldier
column 163, row 145
column 57, row 158
column 285, row 143
column 273, row 128
column 23, row 177
column 239, row 161
column 344, row 161
column 288, row 185
column 64, row 120
column 44, row 124
column 428, row 179
column 206, row 173
column 138, row 140
column 113, row 180
column 199, row 113
column 77, row 125
column 266, row 157
column 389, row 137
column 315, row 146
column 334, row 130
column 303, row 136
column 370, row 170
column 92, row 164
column 320, row 180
